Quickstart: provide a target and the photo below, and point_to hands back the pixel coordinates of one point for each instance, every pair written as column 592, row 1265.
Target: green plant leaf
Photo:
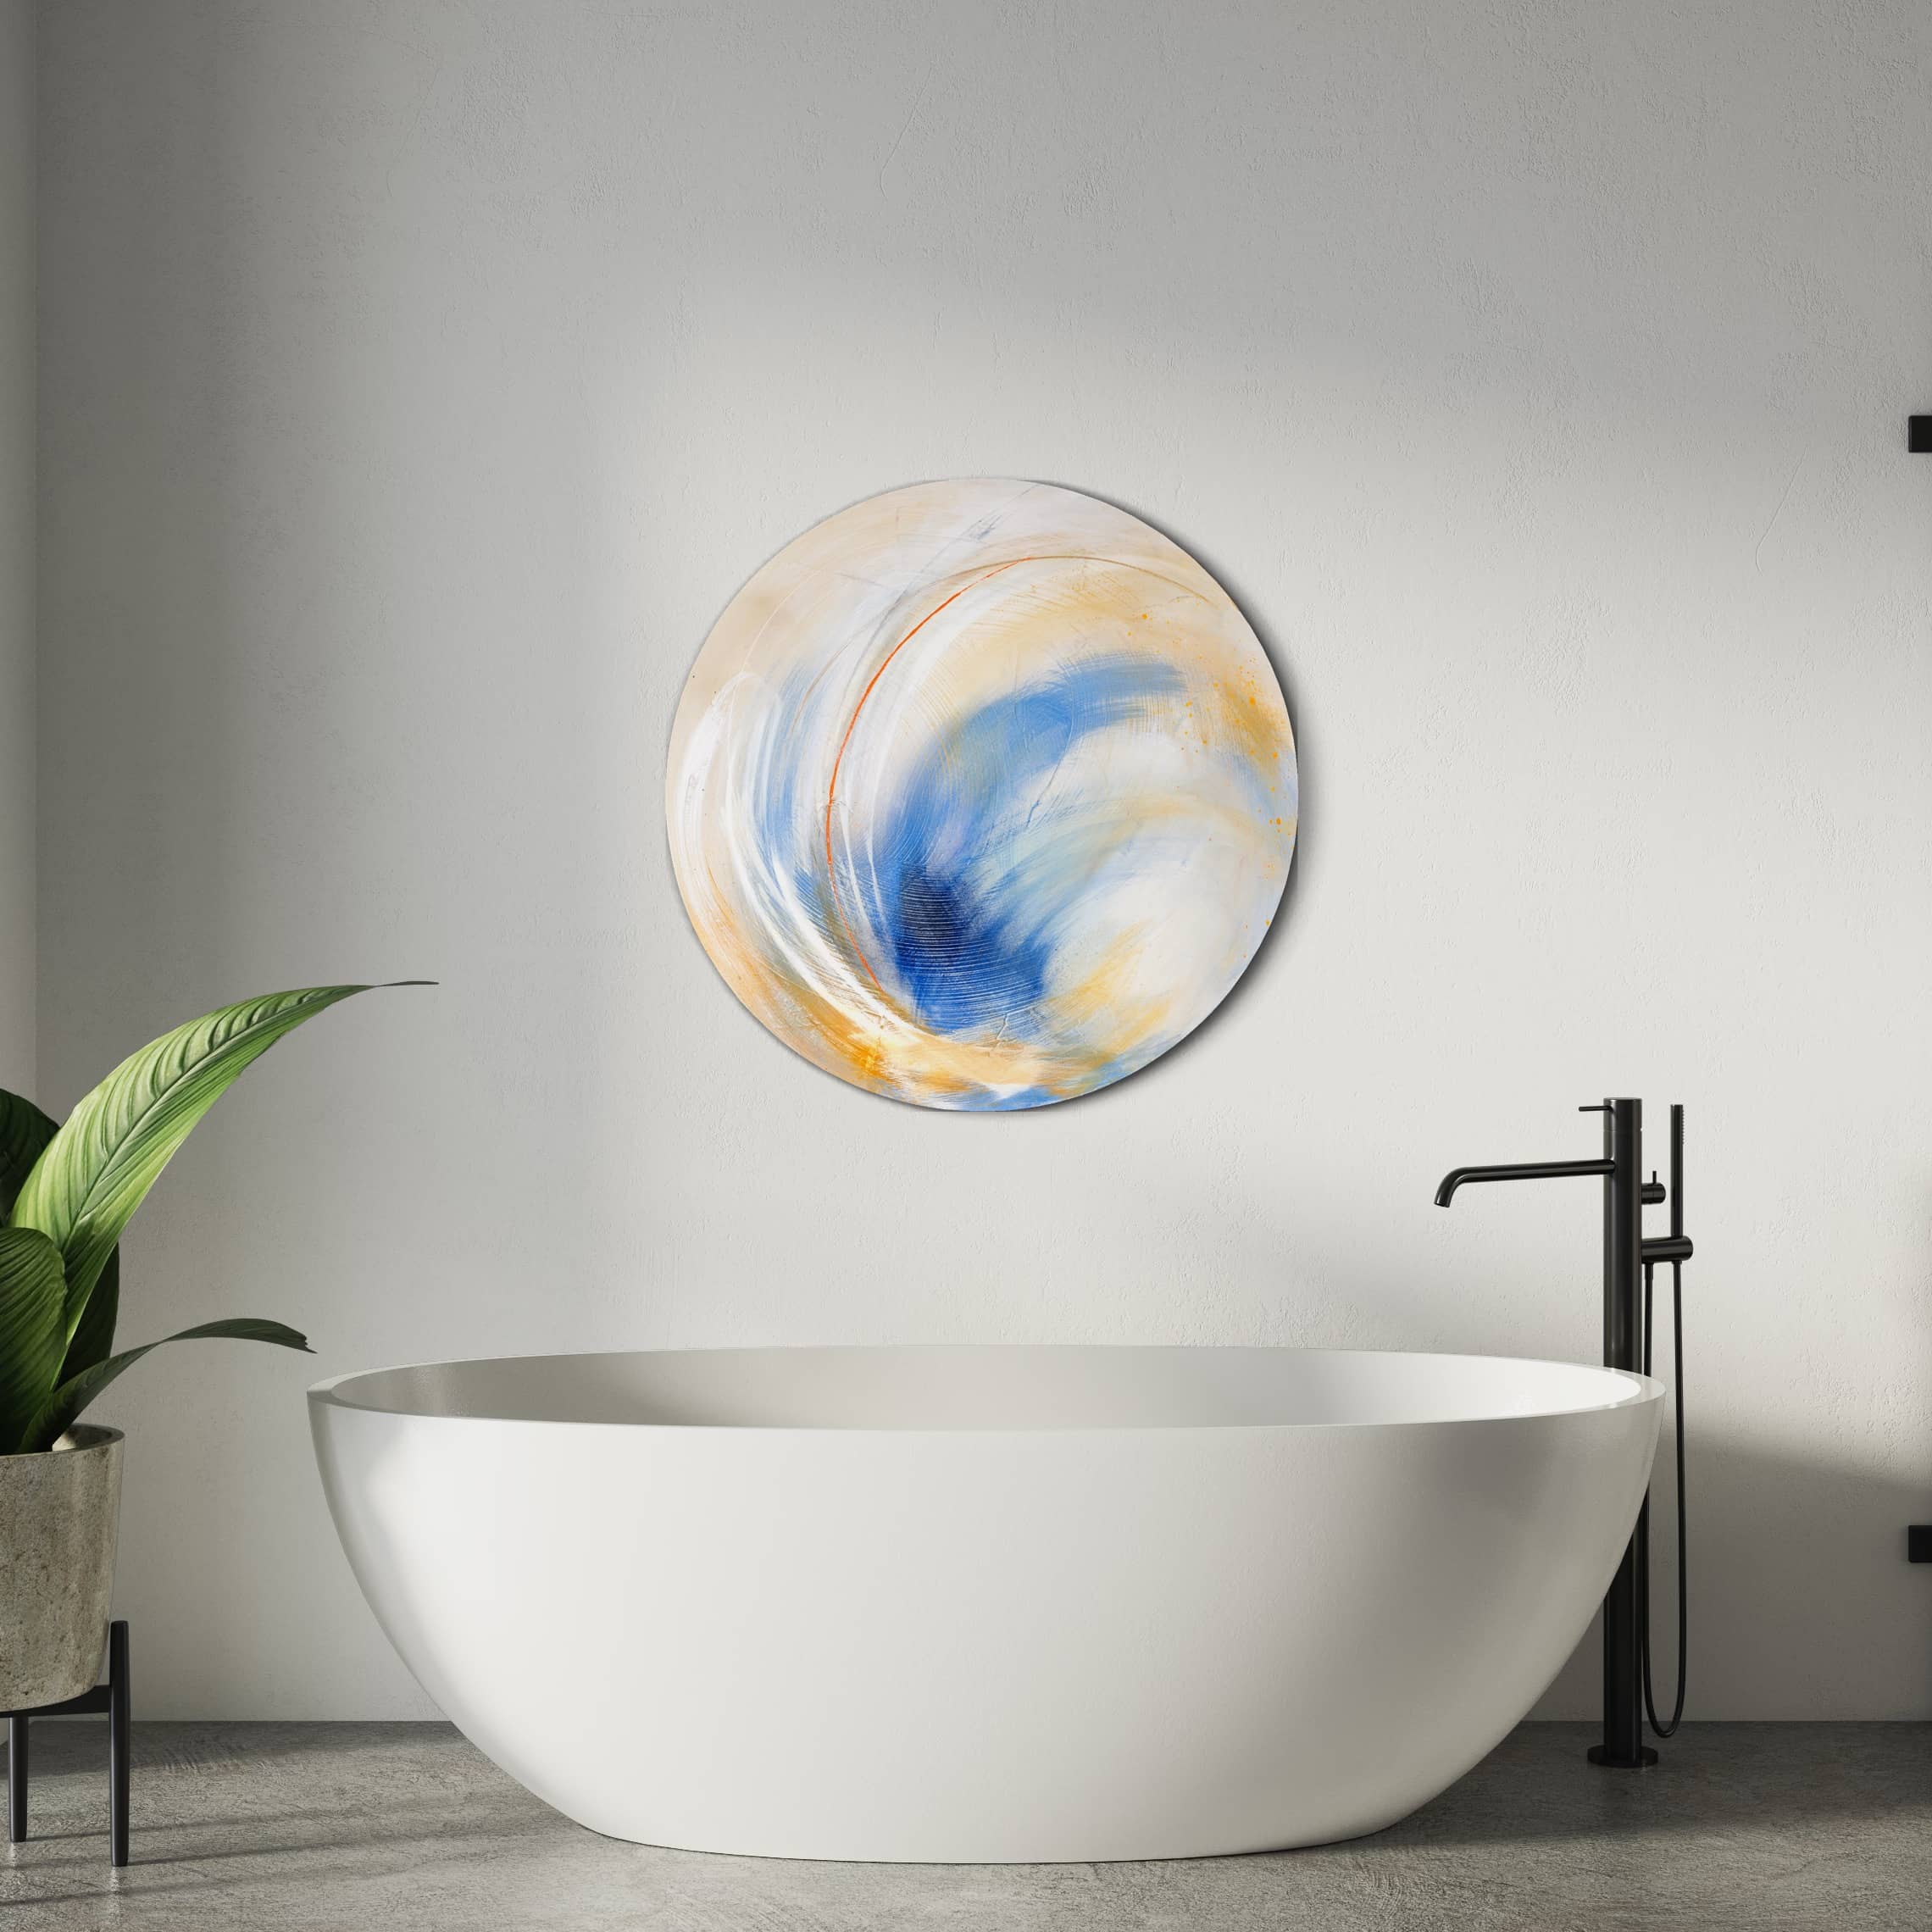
column 33, row 1292
column 66, row 1402
column 94, row 1337
column 24, row 1131
column 98, row 1168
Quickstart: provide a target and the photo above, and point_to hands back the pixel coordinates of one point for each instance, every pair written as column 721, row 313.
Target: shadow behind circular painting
column 981, row 794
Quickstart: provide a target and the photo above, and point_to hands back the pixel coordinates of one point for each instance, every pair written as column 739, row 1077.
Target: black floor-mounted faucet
column 1628, row 1260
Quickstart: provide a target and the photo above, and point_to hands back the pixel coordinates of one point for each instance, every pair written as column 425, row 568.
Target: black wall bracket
column 1918, row 435
column 1919, row 1543
column 111, row 1697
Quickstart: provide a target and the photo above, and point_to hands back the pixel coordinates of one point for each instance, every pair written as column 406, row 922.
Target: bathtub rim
column 1639, row 1390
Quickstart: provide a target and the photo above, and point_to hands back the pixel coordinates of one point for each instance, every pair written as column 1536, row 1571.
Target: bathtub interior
column 965, row 1388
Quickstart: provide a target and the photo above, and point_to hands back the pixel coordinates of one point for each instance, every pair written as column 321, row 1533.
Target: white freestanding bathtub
column 985, row 1604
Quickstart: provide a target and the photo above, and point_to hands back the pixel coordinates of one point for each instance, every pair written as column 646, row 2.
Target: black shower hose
column 1662, row 1729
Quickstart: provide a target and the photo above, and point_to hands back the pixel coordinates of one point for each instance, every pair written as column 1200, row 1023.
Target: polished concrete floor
column 394, row 1827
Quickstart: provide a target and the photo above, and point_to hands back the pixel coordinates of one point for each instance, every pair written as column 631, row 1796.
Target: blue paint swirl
column 969, row 875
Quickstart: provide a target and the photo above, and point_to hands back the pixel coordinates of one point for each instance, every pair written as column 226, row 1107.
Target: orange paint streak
column 832, row 787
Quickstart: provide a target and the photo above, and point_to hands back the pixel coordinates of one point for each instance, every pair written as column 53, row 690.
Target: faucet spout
column 1522, row 1171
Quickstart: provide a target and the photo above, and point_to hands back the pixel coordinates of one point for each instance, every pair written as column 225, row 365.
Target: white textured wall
column 419, row 379
column 17, row 949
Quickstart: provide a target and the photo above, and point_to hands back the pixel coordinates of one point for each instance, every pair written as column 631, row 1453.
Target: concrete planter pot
column 58, row 1514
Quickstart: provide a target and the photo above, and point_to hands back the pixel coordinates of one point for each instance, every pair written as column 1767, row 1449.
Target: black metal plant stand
column 111, row 1697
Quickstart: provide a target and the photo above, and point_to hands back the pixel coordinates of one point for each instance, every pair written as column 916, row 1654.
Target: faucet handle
column 1650, row 1193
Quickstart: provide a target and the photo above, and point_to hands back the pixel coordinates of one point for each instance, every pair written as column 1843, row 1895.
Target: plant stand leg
column 119, row 1742
column 17, row 1778
column 112, row 1697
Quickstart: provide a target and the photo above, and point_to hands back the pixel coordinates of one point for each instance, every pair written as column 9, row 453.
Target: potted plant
column 65, row 1194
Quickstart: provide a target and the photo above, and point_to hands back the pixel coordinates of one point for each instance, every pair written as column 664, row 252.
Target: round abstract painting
column 981, row 794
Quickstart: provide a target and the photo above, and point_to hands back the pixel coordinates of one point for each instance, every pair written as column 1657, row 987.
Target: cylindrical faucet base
column 1623, row 1747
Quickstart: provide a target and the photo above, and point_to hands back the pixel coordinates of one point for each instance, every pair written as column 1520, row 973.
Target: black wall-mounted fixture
column 1628, row 1260
column 1918, row 1535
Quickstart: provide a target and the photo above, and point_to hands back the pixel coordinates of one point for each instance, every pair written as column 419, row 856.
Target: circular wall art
column 981, row 794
